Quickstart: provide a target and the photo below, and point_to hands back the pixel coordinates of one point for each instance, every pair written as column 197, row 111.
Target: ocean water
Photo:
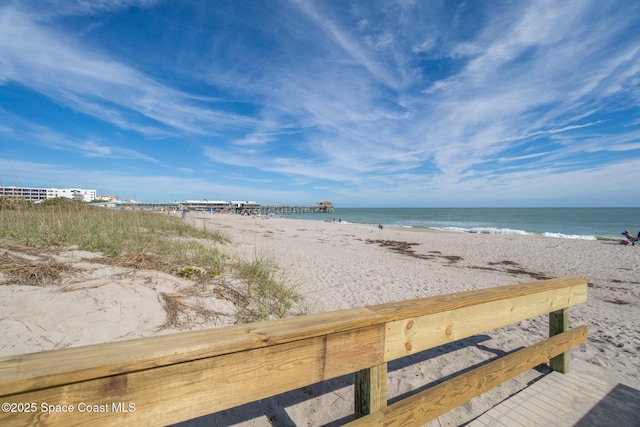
column 575, row 223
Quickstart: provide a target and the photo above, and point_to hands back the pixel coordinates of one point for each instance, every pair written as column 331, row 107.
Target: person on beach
column 633, row 239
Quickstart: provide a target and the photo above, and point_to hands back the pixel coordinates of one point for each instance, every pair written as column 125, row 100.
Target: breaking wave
column 512, row 232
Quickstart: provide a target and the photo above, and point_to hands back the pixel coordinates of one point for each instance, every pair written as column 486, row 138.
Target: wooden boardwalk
column 566, row 400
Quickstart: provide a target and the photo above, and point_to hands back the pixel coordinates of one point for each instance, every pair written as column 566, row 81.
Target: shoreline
column 477, row 230
column 346, row 265
column 590, row 223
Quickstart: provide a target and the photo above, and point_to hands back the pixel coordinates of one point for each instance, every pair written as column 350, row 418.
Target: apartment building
column 39, row 194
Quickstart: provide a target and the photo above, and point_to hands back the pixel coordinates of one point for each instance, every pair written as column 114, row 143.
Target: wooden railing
column 166, row 379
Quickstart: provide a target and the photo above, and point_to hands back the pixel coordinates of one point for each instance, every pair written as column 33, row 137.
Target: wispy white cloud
column 43, row 137
column 359, row 54
column 356, row 97
column 477, row 113
column 57, row 66
column 48, row 9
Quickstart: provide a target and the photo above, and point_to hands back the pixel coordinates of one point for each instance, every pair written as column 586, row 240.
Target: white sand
column 335, row 267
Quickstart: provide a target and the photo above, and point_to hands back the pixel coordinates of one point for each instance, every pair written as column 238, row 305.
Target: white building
column 75, row 193
column 40, row 194
column 29, row 194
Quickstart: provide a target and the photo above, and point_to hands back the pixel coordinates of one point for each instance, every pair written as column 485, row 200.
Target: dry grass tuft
column 39, row 269
column 181, row 313
column 173, row 309
column 143, row 262
column 227, row 293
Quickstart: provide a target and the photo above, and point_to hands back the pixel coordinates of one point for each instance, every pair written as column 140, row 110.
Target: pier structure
column 245, row 207
column 323, row 207
column 140, row 206
column 219, row 206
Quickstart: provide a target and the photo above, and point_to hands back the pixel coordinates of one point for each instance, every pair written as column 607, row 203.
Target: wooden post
column 558, row 323
column 370, row 390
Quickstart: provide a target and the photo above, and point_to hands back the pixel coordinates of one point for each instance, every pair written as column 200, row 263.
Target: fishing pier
column 234, row 207
column 324, row 207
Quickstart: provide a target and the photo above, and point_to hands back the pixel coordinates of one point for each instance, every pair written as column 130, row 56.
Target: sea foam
column 509, row 231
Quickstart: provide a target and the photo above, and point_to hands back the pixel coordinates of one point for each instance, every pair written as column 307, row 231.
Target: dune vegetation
column 140, row 240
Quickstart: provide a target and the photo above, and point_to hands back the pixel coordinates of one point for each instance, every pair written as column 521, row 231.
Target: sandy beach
column 339, row 266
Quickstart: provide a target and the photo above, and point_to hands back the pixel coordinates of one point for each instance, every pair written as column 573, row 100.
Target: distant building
column 239, row 207
column 245, row 207
column 324, row 207
column 40, row 194
column 29, row 194
column 107, row 198
column 74, row 194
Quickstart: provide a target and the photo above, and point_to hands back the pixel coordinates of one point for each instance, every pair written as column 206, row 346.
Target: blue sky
column 363, row 103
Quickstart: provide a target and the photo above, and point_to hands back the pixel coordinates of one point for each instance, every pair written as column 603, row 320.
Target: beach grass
column 58, row 224
column 141, row 240
column 267, row 293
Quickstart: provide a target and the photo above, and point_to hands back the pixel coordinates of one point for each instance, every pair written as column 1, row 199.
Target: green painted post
column 370, row 390
column 558, row 323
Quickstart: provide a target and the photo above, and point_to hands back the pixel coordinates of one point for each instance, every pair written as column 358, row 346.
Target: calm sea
column 576, row 223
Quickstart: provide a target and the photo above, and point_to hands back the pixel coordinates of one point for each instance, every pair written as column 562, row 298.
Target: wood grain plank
column 482, row 421
column 429, row 404
column 412, row 335
column 436, row 304
column 176, row 377
column 512, row 418
column 40, row 370
column 588, row 381
column 178, row 392
column 375, row 419
column 564, row 391
column 493, row 419
column 571, row 399
column 187, row 390
column 351, row 351
column 552, row 406
column 542, row 413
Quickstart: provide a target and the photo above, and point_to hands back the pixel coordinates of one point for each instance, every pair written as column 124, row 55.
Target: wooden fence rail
column 171, row 378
